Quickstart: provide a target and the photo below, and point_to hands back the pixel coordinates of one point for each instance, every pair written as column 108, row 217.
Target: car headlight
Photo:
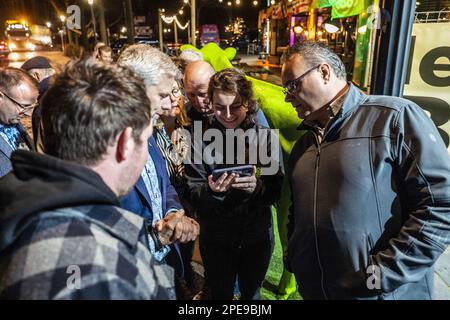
column 30, row 46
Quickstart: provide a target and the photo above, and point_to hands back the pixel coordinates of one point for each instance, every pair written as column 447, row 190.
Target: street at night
column 225, row 150
column 17, row 59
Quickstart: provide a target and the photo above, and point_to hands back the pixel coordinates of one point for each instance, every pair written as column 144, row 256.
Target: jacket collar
column 5, row 148
column 353, row 99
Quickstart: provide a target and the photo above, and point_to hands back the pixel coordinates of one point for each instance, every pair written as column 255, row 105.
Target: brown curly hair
column 234, row 81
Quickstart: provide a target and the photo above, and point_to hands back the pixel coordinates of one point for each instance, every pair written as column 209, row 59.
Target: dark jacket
column 375, row 192
column 233, row 215
column 138, row 199
column 59, row 225
column 6, row 151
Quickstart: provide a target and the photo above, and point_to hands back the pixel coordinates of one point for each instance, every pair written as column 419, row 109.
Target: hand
column 222, row 184
column 247, row 184
column 177, row 227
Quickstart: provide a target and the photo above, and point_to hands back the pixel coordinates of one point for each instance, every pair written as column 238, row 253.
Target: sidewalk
column 252, row 63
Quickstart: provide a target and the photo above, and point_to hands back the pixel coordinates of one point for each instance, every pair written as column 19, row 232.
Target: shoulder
column 388, row 103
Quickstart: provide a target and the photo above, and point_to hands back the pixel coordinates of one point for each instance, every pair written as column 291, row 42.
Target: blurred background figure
column 39, row 68
column 104, row 54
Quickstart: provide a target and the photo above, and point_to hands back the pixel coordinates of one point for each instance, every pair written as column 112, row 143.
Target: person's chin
column 206, row 110
column 14, row 120
column 302, row 111
column 229, row 124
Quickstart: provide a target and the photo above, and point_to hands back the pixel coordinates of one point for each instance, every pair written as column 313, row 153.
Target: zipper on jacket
column 315, row 215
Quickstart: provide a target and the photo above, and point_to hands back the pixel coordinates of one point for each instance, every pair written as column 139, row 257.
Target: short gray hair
column 191, row 55
column 149, row 63
column 315, row 53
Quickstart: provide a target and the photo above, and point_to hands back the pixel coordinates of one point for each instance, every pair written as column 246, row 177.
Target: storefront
column 342, row 25
column 388, row 47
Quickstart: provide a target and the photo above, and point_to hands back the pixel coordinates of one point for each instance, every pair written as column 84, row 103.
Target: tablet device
column 242, row 171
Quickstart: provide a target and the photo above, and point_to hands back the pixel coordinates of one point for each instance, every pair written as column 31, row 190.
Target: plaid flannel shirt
column 88, row 252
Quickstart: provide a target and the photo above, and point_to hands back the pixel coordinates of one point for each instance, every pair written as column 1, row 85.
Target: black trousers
column 248, row 260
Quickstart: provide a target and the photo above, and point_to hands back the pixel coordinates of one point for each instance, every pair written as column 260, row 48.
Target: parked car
column 117, row 46
column 150, row 42
column 4, row 49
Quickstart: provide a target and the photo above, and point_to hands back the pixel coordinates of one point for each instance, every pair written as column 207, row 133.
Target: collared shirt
column 13, row 137
column 333, row 107
column 150, row 178
column 174, row 150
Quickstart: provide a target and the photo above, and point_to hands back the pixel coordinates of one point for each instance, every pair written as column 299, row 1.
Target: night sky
column 211, row 11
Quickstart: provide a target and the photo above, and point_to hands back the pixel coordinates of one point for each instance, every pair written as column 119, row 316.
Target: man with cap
column 39, row 68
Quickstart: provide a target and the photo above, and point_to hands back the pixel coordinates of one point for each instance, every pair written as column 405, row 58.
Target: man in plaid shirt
column 62, row 232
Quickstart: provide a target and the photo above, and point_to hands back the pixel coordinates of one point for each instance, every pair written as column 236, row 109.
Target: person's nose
column 228, row 113
column 166, row 103
column 199, row 101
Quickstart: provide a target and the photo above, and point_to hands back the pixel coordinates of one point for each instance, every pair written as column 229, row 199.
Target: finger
column 184, row 233
column 244, row 185
column 174, row 217
column 244, row 180
column 229, row 180
column 159, row 225
column 178, row 232
column 221, row 179
column 197, row 229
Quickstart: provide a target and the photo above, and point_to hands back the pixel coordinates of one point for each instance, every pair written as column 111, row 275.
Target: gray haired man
column 371, row 187
column 153, row 196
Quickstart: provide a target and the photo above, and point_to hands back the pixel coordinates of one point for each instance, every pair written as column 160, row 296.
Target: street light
column 94, row 22
column 63, row 19
column 48, row 24
column 255, row 3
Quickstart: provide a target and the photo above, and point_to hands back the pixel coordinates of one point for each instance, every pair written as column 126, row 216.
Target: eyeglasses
column 293, row 84
column 23, row 107
column 176, row 93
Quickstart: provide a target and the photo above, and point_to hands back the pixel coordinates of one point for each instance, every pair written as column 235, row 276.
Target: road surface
column 16, row 59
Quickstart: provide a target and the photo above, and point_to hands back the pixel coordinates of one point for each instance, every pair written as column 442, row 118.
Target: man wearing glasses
column 18, row 97
column 370, row 184
column 154, row 197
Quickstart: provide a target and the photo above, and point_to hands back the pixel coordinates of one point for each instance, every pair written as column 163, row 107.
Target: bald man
column 196, row 80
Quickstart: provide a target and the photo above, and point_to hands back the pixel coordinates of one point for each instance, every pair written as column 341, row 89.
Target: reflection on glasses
column 293, row 84
column 176, row 93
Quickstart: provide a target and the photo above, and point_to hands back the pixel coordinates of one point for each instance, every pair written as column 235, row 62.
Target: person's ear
column 36, row 75
column 125, row 145
column 325, row 71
